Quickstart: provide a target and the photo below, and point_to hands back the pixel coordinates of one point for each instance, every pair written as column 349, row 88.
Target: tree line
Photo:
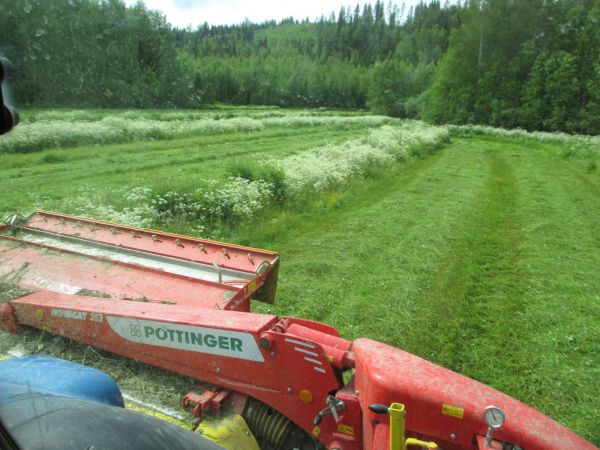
column 336, row 61
column 533, row 64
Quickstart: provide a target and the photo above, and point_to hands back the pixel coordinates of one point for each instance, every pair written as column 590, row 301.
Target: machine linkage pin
column 250, row 258
column 202, row 248
column 226, row 253
column 178, row 243
column 135, row 235
column 155, row 238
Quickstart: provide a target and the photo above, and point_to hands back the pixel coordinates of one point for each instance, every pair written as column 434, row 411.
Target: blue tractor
column 48, row 403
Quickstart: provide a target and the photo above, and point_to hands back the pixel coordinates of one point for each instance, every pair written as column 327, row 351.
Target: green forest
column 531, row 64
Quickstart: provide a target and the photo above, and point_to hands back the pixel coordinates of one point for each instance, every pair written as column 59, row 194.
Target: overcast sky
column 181, row 13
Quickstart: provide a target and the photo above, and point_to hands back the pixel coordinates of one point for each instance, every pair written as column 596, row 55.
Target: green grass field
column 483, row 256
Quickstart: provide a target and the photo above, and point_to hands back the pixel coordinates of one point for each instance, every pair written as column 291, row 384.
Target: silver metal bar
column 167, row 264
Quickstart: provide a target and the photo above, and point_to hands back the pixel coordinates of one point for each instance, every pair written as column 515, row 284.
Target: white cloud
column 181, row 13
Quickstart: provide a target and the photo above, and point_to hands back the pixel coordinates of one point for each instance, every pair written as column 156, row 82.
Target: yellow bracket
column 397, row 413
column 397, row 430
column 422, row 444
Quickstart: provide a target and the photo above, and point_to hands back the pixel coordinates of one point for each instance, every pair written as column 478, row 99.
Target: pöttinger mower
column 183, row 304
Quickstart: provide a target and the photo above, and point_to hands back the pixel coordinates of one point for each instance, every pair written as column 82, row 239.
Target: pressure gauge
column 494, row 417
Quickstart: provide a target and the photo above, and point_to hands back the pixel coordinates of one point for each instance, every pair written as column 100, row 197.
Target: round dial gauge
column 494, row 416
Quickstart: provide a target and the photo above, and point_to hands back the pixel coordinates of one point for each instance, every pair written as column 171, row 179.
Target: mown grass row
column 569, row 144
column 216, row 112
column 56, row 129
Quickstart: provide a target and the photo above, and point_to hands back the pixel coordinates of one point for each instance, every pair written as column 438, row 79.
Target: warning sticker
column 346, row 429
column 454, row 411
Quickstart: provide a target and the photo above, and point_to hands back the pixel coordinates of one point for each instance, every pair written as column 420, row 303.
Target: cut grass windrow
column 114, row 129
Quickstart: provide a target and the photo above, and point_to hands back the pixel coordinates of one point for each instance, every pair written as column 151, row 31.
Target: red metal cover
column 441, row 403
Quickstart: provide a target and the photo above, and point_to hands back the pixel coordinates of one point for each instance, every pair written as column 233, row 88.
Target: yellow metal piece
column 453, row 411
column 397, row 426
column 397, row 413
column 159, row 415
column 230, row 432
column 316, row 431
column 306, row 396
column 422, row 444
